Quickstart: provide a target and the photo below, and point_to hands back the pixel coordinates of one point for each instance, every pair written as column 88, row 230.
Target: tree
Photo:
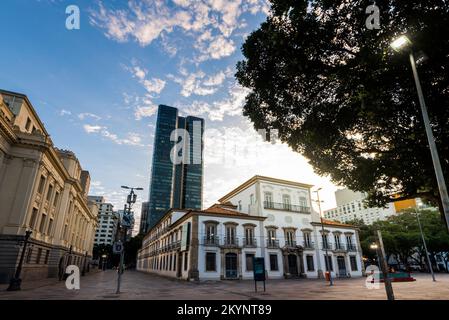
column 337, row 93
column 131, row 249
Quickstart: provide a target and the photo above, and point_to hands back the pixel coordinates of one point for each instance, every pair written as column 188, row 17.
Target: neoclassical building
column 42, row 189
column 263, row 217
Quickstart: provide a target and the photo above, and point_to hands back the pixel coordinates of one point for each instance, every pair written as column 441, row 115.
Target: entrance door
column 341, row 266
column 292, row 265
column 231, row 265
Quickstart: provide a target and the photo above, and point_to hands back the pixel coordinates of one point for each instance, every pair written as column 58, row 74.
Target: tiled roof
column 335, row 223
column 218, row 208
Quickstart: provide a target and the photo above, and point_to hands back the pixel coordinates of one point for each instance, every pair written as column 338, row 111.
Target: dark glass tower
column 173, row 185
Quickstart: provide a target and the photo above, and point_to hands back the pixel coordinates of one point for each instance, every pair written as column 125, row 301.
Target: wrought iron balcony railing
column 211, row 241
column 285, row 207
column 273, row 244
column 308, row 245
column 231, row 242
column 249, row 242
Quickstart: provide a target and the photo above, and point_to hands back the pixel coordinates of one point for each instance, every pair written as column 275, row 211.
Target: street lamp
column 131, row 199
column 404, row 43
column 424, row 243
column 15, row 282
column 327, row 262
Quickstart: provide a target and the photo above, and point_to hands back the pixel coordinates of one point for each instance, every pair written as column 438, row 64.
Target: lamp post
column 327, row 262
column 425, row 245
column 404, row 43
column 131, row 199
column 15, row 282
column 383, row 265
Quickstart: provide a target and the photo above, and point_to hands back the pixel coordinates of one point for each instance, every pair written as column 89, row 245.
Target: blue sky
column 97, row 88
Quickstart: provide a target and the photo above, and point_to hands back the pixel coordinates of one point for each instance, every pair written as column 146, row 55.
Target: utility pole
column 425, row 245
column 325, row 245
column 384, row 264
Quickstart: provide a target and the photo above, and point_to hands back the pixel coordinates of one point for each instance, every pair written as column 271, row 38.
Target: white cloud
column 146, row 21
column 198, row 83
column 216, row 111
column 132, row 138
column 92, row 129
column 142, row 112
column 152, row 85
column 64, row 112
column 85, row 115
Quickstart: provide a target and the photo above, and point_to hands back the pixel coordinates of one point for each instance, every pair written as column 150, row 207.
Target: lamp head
column 401, row 43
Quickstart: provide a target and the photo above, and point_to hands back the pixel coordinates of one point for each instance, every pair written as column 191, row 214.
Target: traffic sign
column 117, row 248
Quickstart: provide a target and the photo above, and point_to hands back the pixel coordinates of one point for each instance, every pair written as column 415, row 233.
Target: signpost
column 117, row 248
column 259, row 271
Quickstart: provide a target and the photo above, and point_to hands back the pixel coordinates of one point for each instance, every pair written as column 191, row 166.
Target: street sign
column 259, row 271
column 117, row 248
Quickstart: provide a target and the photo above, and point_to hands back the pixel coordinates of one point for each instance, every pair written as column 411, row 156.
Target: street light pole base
column 14, row 284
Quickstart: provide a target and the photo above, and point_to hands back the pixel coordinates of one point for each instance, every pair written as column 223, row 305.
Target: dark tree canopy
column 340, row 96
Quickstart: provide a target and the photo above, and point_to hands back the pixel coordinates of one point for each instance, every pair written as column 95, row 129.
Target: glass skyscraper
column 175, row 185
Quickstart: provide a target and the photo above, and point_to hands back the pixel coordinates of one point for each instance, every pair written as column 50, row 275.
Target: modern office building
column 143, row 228
column 350, row 206
column 263, row 217
column 107, row 221
column 43, row 190
column 177, row 167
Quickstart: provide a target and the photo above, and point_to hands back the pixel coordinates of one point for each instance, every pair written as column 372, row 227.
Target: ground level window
column 210, row 261
column 353, row 261
column 328, row 260
column 249, row 262
column 310, row 266
column 186, row 257
column 274, row 262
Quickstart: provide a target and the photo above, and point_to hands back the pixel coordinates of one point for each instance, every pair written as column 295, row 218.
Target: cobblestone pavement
column 136, row 285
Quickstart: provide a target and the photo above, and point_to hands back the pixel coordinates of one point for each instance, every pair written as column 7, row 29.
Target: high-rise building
column 144, row 217
column 107, row 221
column 177, row 169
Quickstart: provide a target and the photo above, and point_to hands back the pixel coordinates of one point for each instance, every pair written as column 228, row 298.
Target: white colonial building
column 264, row 217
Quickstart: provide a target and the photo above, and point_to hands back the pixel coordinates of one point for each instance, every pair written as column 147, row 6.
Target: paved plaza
column 136, row 285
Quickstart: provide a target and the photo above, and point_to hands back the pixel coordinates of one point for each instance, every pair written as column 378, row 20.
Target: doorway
column 292, row 264
column 231, row 265
column 341, row 266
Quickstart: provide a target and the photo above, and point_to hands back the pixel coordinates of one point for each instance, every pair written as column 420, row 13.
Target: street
column 141, row 286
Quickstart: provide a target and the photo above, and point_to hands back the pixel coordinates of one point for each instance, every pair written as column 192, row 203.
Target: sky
column 97, row 88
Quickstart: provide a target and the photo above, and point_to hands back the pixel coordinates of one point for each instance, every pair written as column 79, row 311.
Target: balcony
column 272, row 244
column 285, row 207
column 351, row 248
column 308, row 245
column 211, row 241
column 326, row 246
column 231, row 242
column 250, row 242
column 339, row 247
column 290, row 243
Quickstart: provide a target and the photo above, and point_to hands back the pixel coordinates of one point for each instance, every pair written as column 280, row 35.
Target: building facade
column 264, row 217
column 107, row 221
column 350, row 206
column 145, row 210
column 176, row 184
column 44, row 190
